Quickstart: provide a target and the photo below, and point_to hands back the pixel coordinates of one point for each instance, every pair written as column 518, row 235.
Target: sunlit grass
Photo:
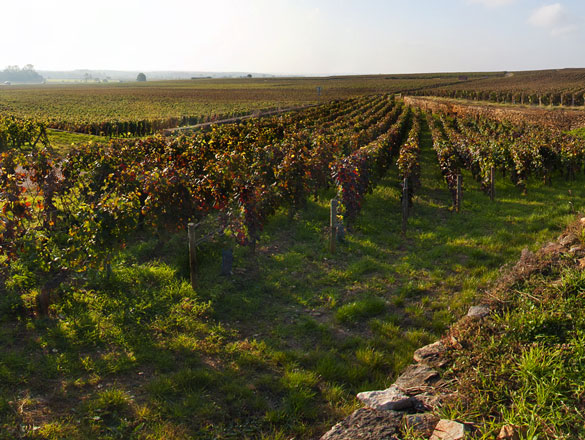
column 525, row 367
column 62, row 141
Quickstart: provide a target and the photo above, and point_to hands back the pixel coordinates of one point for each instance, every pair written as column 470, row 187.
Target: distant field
column 144, row 108
column 545, row 87
column 119, row 109
column 559, row 118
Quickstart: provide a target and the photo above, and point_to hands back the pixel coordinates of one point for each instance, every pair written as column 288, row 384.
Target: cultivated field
column 144, row 108
column 565, row 87
column 109, row 330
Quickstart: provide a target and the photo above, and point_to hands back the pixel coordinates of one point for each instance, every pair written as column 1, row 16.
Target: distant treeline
column 25, row 75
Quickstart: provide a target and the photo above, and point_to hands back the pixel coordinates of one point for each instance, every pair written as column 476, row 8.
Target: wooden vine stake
column 192, row 254
column 333, row 225
column 492, row 183
column 404, row 205
column 459, row 193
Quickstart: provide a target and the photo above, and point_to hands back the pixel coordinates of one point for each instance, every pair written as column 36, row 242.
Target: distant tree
column 249, row 75
column 25, row 75
column 141, row 77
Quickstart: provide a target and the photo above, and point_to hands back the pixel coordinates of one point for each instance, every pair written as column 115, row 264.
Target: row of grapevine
column 76, row 208
column 447, row 157
column 566, row 98
column 17, row 133
column 481, row 144
column 355, row 174
column 409, row 158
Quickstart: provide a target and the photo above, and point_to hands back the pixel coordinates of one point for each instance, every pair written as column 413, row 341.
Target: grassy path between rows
column 62, row 141
column 279, row 349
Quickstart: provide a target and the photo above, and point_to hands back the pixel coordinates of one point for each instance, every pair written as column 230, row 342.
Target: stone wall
column 409, row 406
column 411, row 402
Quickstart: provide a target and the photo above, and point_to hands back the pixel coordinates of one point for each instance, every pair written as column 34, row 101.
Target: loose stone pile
column 409, row 403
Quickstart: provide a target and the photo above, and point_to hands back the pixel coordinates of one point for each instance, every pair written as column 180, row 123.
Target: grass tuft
column 360, row 310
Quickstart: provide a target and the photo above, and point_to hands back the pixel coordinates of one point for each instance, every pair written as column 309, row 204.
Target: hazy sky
column 293, row 36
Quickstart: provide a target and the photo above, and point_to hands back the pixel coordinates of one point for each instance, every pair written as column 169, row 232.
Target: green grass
column 525, row 367
column 62, row 141
column 279, row 349
column 361, row 310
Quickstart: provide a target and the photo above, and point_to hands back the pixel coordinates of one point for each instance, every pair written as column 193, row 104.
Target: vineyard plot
column 560, row 88
column 482, row 146
column 280, row 348
column 241, row 174
column 141, row 109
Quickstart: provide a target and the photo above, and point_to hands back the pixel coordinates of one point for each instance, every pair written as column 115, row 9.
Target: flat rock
column 448, row 430
column 431, row 354
column 568, row 239
column 511, row 432
column 421, row 425
column 478, row 312
column 367, row 424
column 416, row 378
column 392, row 398
column 429, row 401
column 553, row 248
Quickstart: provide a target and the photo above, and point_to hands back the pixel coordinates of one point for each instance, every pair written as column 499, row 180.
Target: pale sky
column 293, row 36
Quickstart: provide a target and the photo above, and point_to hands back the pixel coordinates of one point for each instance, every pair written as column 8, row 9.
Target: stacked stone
column 408, row 404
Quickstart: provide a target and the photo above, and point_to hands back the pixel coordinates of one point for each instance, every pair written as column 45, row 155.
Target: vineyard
column 482, row 146
column 241, row 173
column 134, row 109
column 564, row 87
column 94, row 280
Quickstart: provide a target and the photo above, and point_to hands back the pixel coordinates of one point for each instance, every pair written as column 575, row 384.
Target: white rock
column 390, row 399
column 448, row 430
column 478, row 312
